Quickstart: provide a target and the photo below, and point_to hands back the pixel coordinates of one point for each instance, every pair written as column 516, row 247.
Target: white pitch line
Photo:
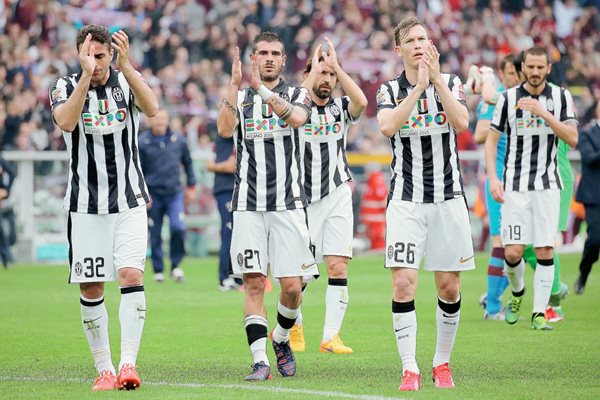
column 252, row 387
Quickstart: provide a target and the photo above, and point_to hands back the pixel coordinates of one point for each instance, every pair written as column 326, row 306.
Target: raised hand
column 315, row 66
column 121, row 45
column 236, row 68
column 422, row 76
column 255, row 80
column 432, row 61
column 86, row 55
column 330, row 57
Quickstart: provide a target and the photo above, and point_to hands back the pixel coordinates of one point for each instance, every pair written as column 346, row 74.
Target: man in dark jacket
column 7, row 177
column 588, row 193
column 162, row 153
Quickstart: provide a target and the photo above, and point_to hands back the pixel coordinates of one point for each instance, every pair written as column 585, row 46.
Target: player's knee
column 512, row 254
column 544, row 253
column 291, row 289
column 449, row 291
column 93, row 290
column 338, row 270
column 403, row 286
column 254, row 285
column 130, row 276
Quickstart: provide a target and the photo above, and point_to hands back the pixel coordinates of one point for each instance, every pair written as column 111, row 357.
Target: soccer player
column 420, row 111
column 97, row 110
column 496, row 282
column 162, row 153
column 482, row 80
column 269, row 217
column 326, row 176
column 534, row 116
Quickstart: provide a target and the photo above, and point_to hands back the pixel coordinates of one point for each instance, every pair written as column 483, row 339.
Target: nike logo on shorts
column 464, row 260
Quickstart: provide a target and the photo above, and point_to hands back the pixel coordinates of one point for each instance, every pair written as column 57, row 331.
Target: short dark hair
column 519, row 57
column 99, row 34
column 404, row 26
column 536, row 51
column 508, row 59
column 269, row 37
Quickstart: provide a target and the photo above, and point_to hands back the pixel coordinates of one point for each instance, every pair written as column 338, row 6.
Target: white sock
column 405, row 331
column 515, row 276
column 132, row 315
column 256, row 331
column 447, row 327
column 287, row 317
column 299, row 319
column 94, row 318
column 336, row 301
column 542, row 286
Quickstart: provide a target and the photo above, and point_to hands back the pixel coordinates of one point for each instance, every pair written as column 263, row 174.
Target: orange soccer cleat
column 410, row 381
column 128, row 378
column 106, row 381
column 442, row 376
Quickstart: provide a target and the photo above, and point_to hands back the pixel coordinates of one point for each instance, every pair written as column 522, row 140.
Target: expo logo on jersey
column 425, row 124
column 323, row 128
column 101, row 124
column 532, row 126
column 265, row 128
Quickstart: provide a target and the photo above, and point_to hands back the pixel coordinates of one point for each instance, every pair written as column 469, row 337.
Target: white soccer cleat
column 159, row 277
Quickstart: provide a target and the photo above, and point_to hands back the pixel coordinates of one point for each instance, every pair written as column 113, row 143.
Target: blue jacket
column 588, row 191
column 223, row 180
column 161, row 158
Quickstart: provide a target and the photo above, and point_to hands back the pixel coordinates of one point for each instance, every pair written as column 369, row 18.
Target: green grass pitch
column 194, row 344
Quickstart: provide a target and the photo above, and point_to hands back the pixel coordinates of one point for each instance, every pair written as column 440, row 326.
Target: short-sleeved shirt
column 425, row 163
column 530, row 163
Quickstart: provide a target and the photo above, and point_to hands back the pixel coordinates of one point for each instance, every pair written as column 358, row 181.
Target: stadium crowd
column 183, row 48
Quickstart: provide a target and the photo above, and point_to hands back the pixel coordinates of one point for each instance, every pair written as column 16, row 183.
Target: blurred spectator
column 7, row 237
column 162, row 153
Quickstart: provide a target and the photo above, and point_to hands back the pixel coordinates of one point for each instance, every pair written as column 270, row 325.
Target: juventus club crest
column 334, row 110
column 117, row 94
column 549, row 105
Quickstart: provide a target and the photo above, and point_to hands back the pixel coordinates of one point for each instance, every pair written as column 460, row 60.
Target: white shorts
column 440, row 232
column 530, row 217
column 278, row 239
column 331, row 223
column 102, row 244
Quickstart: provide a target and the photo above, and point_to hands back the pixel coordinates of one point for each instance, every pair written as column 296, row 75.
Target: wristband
column 264, row 92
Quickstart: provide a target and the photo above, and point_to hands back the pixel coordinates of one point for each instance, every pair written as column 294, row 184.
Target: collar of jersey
column 546, row 92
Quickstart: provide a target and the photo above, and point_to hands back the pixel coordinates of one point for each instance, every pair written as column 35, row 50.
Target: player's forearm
column 292, row 115
column 67, row 115
column 491, row 152
column 481, row 131
column 565, row 131
column 358, row 100
column 145, row 98
column 391, row 120
column 458, row 115
column 227, row 119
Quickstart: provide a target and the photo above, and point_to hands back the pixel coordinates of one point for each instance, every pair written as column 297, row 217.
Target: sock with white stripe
column 404, row 318
column 256, row 332
column 94, row 318
column 542, row 284
column 132, row 315
column 514, row 273
column 336, row 302
column 286, row 317
column 447, row 317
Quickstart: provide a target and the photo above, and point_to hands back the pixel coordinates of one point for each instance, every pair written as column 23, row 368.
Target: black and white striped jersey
column 104, row 170
column 425, row 164
column 324, row 151
column 532, row 146
column 268, row 174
